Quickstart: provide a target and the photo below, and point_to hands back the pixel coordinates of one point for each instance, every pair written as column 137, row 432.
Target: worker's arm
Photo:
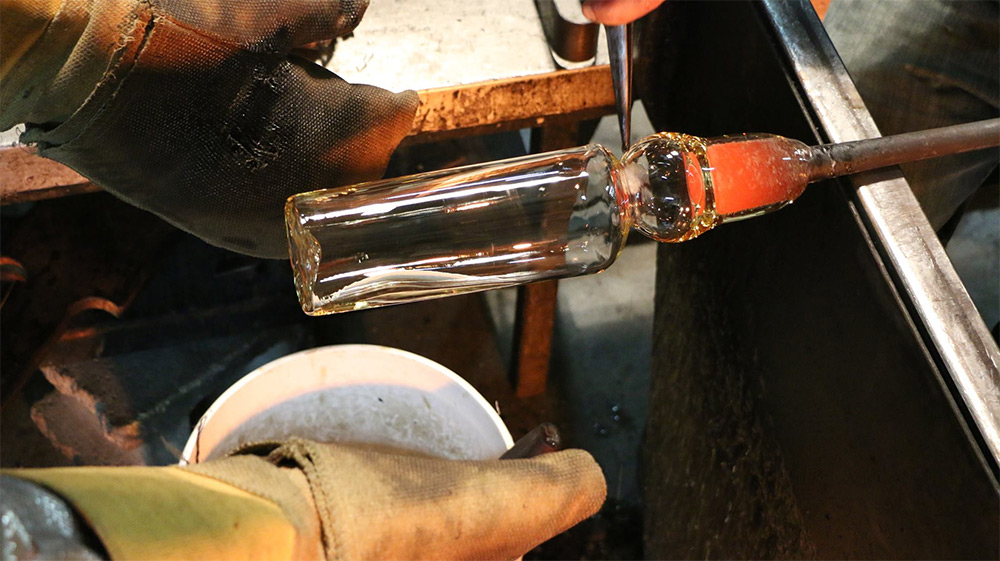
column 303, row 500
column 21, row 25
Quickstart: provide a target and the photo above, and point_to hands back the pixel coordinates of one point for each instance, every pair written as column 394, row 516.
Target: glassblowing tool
column 620, row 54
column 560, row 214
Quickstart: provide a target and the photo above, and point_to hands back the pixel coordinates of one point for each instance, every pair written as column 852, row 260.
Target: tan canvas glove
column 303, row 500
column 194, row 110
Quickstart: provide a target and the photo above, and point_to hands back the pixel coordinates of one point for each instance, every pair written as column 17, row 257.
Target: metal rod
column 620, row 54
column 543, row 439
column 845, row 158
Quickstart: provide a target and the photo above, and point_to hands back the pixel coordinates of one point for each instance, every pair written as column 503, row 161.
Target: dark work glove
column 199, row 114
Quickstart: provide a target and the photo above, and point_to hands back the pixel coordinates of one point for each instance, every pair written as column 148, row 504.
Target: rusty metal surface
column 514, row 103
column 79, row 256
column 25, row 176
column 70, row 426
column 12, row 273
column 139, row 407
column 125, row 390
column 536, row 309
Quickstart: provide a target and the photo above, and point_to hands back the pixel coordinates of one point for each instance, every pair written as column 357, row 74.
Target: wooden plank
column 536, row 312
column 514, row 103
column 26, row 176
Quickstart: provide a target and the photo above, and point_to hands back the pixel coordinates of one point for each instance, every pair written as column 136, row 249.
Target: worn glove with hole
column 194, row 109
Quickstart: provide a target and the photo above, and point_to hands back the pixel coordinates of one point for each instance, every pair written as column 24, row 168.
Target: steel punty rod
column 844, row 158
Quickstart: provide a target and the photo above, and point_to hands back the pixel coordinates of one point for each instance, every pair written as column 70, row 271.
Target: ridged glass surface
column 475, row 228
column 670, row 195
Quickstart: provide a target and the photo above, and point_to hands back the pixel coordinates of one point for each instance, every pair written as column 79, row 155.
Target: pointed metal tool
column 620, row 53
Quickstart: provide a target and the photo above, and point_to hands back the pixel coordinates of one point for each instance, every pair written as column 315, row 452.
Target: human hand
column 617, row 12
column 194, row 110
column 304, row 500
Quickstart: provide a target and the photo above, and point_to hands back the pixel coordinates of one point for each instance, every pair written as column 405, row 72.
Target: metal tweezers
column 620, row 53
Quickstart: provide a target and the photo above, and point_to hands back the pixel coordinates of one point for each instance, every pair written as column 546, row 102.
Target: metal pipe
column 543, row 439
column 620, row 55
column 845, row 158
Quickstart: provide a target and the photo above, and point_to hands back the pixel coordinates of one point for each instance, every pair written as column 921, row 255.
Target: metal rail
column 953, row 331
column 845, row 158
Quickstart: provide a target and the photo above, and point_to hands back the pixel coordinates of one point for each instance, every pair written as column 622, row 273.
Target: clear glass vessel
column 553, row 215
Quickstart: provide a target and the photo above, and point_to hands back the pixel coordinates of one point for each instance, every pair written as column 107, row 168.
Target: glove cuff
column 373, row 504
column 171, row 513
column 309, row 501
column 281, row 486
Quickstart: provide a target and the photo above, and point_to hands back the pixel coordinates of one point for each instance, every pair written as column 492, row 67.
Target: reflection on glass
column 553, row 215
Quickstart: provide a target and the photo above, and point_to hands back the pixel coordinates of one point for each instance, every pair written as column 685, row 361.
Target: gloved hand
column 193, row 109
column 304, row 500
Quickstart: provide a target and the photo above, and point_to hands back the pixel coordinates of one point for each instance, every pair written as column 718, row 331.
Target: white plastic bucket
column 353, row 393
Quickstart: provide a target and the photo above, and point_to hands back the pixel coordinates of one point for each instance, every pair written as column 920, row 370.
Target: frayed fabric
column 200, row 116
